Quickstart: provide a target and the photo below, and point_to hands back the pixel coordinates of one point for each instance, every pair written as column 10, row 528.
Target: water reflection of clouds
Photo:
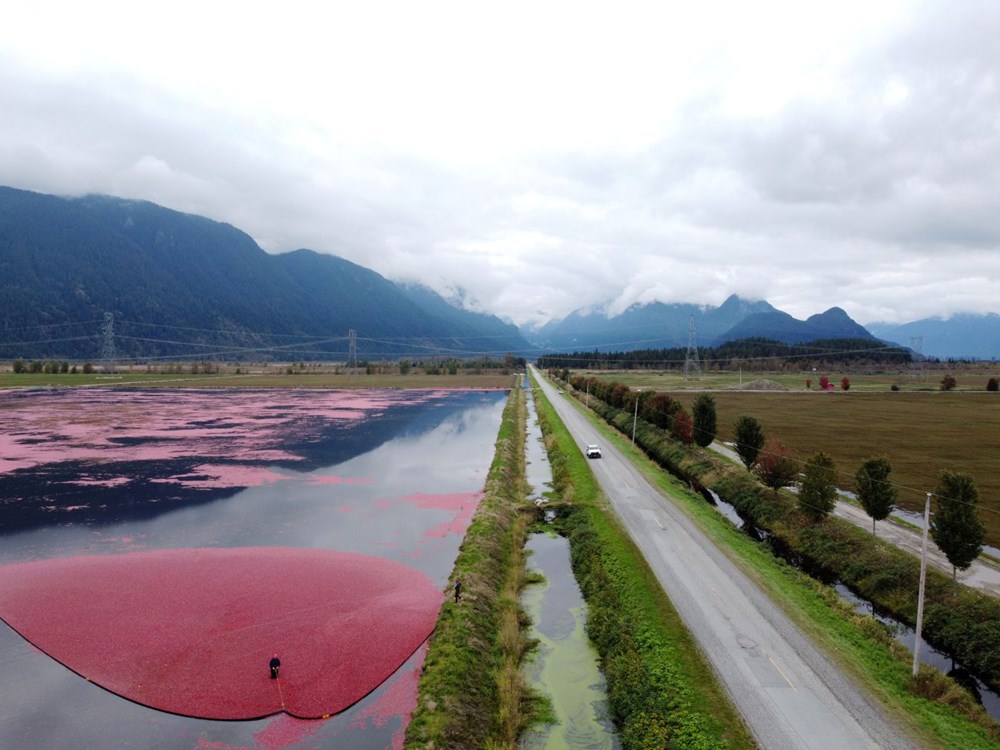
column 352, row 505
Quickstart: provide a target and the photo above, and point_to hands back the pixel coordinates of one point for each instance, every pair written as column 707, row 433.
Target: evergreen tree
column 705, row 427
column 818, row 491
column 876, row 494
column 749, row 438
column 955, row 525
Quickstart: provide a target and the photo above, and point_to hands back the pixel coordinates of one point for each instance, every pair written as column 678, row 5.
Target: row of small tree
column 48, row 367
column 955, row 525
column 658, row 409
column 824, row 383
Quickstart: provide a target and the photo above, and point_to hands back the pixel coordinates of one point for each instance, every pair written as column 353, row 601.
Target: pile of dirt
column 761, row 384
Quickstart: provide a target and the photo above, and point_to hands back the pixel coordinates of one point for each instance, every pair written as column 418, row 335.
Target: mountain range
column 664, row 326
column 184, row 286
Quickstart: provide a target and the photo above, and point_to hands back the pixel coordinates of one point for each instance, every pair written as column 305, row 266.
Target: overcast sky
column 541, row 157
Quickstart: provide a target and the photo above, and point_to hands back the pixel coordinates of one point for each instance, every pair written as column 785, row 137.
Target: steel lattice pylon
column 108, row 354
column 692, row 362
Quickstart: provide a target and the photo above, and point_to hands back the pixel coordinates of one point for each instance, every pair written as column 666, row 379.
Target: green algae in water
column 565, row 667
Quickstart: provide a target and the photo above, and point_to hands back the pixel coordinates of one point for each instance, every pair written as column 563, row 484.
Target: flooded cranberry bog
column 157, row 547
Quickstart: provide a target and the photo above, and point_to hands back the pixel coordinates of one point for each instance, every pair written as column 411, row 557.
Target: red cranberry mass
column 191, row 631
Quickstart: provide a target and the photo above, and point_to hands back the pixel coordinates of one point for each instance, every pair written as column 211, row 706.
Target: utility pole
column 635, row 418
column 923, row 581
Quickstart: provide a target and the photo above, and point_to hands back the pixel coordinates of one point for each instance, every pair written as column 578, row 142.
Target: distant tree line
column 749, row 354
column 49, row 367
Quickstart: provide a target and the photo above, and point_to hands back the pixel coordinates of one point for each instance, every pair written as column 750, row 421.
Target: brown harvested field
column 921, row 429
column 921, row 434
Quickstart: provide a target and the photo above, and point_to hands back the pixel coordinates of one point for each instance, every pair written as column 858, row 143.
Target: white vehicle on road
column 593, row 451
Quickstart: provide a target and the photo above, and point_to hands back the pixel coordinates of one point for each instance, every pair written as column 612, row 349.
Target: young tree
column 660, row 410
column 993, row 384
column 775, row 465
column 704, row 420
column 948, row 382
column 682, row 428
column 749, row 439
column 824, row 382
column 818, row 490
column 955, row 525
column 809, row 383
column 876, row 494
column 845, row 383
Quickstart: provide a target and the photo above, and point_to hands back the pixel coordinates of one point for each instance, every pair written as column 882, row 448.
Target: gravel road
column 790, row 695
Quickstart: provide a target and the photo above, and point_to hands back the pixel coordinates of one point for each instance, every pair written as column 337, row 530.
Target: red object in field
column 191, row 631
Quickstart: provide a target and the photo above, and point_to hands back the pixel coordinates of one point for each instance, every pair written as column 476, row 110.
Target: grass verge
column 472, row 693
column 661, row 691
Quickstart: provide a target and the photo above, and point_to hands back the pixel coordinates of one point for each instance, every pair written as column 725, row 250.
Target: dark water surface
column 393, row 474
column 566, row 666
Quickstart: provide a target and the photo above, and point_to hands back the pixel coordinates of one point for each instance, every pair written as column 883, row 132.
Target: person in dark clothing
column 274, row 664
column 458, row 591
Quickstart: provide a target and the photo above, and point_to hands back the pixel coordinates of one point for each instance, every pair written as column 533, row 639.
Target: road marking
column 658, row 522
column 779, row 670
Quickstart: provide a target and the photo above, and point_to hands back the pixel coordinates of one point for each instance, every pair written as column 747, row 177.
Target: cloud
column 537, row 159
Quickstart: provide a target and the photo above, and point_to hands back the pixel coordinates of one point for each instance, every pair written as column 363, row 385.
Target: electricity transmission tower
column 108, row 350
column 692, row 362
column 352, row 351
column 917, row 362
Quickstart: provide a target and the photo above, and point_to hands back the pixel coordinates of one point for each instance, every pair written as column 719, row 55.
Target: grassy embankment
column 472, row 693
column 858, row 643
column 661, row 691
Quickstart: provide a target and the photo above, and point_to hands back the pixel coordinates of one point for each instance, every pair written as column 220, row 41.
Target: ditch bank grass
column 472, row 693
column 933, row 709
column 661, row 692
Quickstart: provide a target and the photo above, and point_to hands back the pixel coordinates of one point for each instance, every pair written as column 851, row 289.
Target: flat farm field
column 920, row 428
